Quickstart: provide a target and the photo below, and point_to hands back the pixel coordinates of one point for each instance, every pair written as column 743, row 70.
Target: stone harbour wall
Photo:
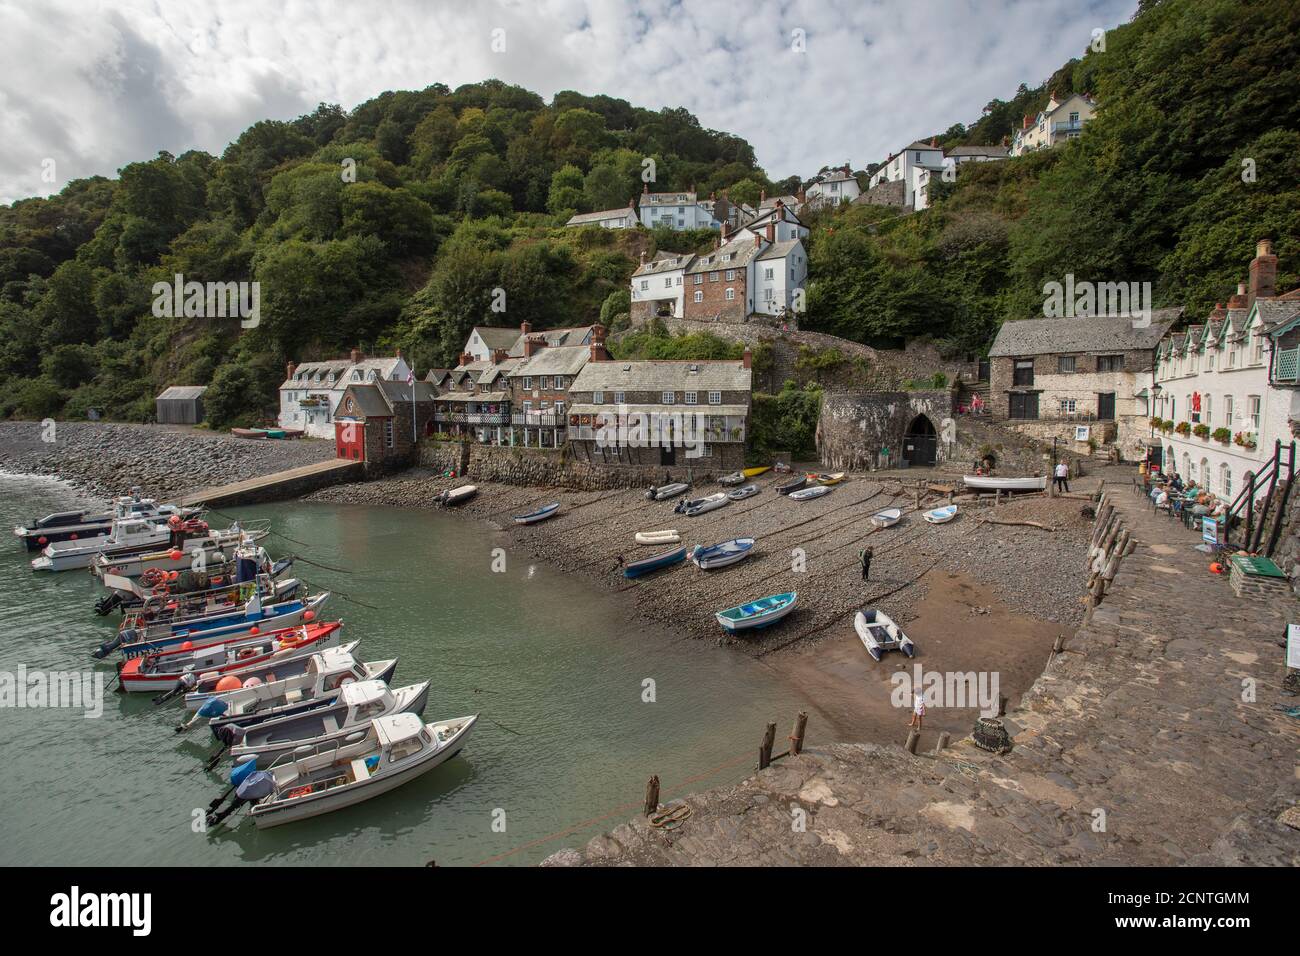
column 854, row 427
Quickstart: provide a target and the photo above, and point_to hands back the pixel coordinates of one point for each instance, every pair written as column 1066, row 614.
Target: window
column 668, row 398
column 598, row 398
column 699, row 296
column 528, row 406
column 668, row 282
column 731, row 294
column 388, row 433
column 1227, row 411
column 528, row 381
column 1225, row 480
column 1065, row 364
column 1257, row 354
column 1023, row 373
column 767, row 274
column 620, row 398
column 1207, row 410
column 645, row 285
column 699, row 278
column 1252, row 411
column 1209, row 361
column 1110, row 363
column 715, row 398
column 1232, row 356
column 690, row 398
column 713, row 277
column 1069, row 406
column 731, row 275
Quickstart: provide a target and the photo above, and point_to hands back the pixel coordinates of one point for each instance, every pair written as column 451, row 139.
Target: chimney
column 499, row 356
column 525, row 328
column 726, row 231
column 1219, row 312
column 1263, row 272
column 356, row 356
column 758, row 241
column 803, row 199
column 1240, row 300
column 933, row 140
column 747, row 360
column 289, row 369
column 642, row 257
column 466, row 358
column 645, row 189
column 533, row 344
column 771, row 232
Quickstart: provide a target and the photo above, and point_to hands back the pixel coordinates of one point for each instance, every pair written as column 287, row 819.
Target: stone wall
column 855, row 428
column 885, row 194
column 553, row 468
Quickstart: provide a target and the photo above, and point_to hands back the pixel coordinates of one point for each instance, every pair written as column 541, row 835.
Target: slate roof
column 668, row 199
column 182, row 392
column 370, row 401
column 583, row 218
column 664, row 262
column 497, row 337
column 978, row 151
column 740, row 250
column 1080, row 334
column 401, row 392
column 662, row 376
column 1276, row 311
column 565, row 360
column 779, row 250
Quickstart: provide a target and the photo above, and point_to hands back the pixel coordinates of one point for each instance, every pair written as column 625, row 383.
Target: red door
column 350, row 440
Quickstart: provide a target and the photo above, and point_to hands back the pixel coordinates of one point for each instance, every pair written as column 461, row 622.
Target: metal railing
column 1262, row 482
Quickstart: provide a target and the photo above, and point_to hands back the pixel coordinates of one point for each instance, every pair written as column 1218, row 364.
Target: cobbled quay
column 1153, row 738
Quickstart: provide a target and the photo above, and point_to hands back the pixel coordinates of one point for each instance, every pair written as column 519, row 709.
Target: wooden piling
column 942, row 745
column 652, row 795
column 796, row 738
column 765, row 748
column 913, row 738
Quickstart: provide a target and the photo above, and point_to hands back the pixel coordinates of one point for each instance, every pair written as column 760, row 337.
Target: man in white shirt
column 1062, row 477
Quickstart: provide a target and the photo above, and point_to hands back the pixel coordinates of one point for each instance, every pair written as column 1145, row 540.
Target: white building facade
column 311, row 392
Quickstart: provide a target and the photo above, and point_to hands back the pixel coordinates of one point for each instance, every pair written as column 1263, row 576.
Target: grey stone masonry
column 1154, row 737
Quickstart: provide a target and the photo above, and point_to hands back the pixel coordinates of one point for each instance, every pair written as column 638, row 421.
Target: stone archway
column 920, row 443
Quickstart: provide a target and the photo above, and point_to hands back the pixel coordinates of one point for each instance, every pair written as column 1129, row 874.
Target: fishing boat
column 658, row 537
column 219, row 629
column 735, row 478
column 795, row 485
column 991, row 483
column 126, row 537
column 756, row 614
column 456, row 496
column 75, row 525
column 164, row 670
column 755, row 472
column 941, row 515
column 197, row 550
column 670, row 490
column 887, row 518
column 804, row 494
column 351, row 710
column 743, row 492
column 879, row 633
column 664, row 559
column 394, row 750
column 541, row 514
column 281, row 683
column 234, row 580
column 833, row 478
column 721, row 555
column 693, row 507
column 227, row 599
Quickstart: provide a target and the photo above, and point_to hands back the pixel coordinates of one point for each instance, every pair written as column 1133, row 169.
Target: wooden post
column 913, row 737
column 796, row 738
column 652, row 795
column 765, row 749
column 943, row 742
column 1058, row 645
column 1250, row 510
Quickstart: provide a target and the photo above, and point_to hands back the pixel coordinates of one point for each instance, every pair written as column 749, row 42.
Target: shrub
column 1201, row 430
column 1222, row 435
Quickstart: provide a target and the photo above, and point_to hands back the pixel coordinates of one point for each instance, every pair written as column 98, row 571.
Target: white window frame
column 715, row 398
column 689, row 398
column 668, row 398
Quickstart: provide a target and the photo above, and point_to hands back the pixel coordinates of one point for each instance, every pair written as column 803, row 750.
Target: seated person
column 1175, row 483
column 1203, row 504
column 1161, row 497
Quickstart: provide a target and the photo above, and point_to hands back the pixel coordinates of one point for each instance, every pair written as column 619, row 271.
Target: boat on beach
column 879, row 633
column 940, row 515
column 394, row 750
column 541, row 514
column 692, row 507
column 998, row 483
column 795, row 485
column 658, row 537
column 743, row 492
column 670, row 490
column 887, row 518
column 655, row 562
column 804, row 494
column 755, row 472
column 827, row 478
column 456, row 496
column 721, row 555
column 758, row 614
column 733, row 479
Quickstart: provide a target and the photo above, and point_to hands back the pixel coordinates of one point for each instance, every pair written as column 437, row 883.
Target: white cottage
column 311, row 392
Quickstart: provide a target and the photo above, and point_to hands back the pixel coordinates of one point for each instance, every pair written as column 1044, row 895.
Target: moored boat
column 691, row 507
column 940, row 515
column 758, row 614
column 635, row 569
column 804, row 494
column 670, row 490
column 195, row 551
column 541, row 514
column 279, row 683
column 743, row 492
column 721, row 555
column 795, row 485
column 456, row 496
column 735, row 478
column 755, row 472
column 670, row 536
column 394, row 750
column 992, row 483
column 887, row 518
column 125, row 538
column 38, row 533
column 833, row 478
column 879, row 633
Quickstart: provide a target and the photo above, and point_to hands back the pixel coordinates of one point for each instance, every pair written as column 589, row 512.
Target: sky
column 87, row 87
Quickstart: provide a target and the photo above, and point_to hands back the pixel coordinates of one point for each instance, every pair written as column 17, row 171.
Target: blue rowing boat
column 721, row 555
column 654, row 562
column 761, row 613
column 541, row 514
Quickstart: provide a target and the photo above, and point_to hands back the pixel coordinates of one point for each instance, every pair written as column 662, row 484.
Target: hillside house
column 658, row 285
column 833, row 188
column 626, row 217
column 675, row 210
column 311, row 391
column 1060, row 121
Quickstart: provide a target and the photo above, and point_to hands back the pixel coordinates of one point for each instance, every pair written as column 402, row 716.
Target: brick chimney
column 598, row 351
column 466, row 358
column 499, row 356
column 356, row 356
column 525, row 328
column 1219, row 312
column 758, row 241
column 771, row 232
column 1263, row 272
column 289, row 369
column 726, row 232
column 1241, row 300
column 645, row 189
column 533, row 344
column 747, row 360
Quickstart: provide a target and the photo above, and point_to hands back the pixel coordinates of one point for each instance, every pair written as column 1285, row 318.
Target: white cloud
column 96, row 87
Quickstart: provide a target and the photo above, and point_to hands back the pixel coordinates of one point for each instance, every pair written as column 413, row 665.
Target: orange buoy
column 1216, row 567
column 175, row 554
column 187, row 646
column 174, row 521
column 309, row 615
column 42, row 540
column 228, row 683
column 254, row 630
column 173, row 575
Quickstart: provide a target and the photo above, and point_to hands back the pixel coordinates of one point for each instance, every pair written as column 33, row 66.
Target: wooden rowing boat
column 991, row 483
column 941, row 515
column 758, row 614
column 541, row 514
column 887, row 518
column 658, row 537
column 654, row 563
column 721, row 555
column 804, row 494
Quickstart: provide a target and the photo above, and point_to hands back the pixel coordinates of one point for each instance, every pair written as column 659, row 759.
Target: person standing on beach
column 865, row 557
column 1062, row 479
column 918, row 710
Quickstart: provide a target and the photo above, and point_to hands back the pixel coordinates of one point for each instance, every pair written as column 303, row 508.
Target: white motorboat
column 394, row 750
column 351, row 710
column 879, row 633
column 75, row 525
column 658, row 537
column 193, row 554
column 292, row 682
column 126, row 536
column 692, row 507
column 992, row 483
column 887, row 518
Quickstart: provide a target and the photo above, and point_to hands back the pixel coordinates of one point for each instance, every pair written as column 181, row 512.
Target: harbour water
column 580, row 705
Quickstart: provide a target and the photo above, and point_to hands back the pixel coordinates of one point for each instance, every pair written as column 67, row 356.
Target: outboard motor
column 254, row 787
column 108, row 647
column 108, row 603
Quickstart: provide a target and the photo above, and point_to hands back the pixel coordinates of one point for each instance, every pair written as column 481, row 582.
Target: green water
column 549, row 661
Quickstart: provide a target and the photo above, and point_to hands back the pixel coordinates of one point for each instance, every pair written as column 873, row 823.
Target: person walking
column 865, row 558
column 918, row 710
column 1062, row 479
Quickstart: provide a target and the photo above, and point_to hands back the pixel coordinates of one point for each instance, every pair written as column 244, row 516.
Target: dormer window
column 356, row 375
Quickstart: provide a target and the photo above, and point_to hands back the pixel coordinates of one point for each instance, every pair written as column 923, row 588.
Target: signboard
column 1081, row 432
column 1293, row 646
column 1210, row 530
